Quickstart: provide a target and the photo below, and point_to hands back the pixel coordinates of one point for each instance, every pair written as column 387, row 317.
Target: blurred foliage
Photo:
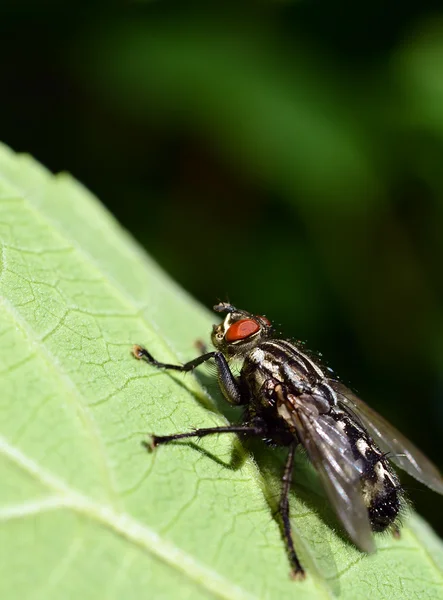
column 287, row 155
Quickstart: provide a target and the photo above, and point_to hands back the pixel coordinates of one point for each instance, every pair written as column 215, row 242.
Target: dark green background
column 285, row 155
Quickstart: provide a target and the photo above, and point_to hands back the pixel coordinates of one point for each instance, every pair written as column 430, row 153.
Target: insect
column 289, row 400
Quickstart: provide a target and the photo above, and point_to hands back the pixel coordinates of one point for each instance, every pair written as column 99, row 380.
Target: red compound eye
column 241, row 330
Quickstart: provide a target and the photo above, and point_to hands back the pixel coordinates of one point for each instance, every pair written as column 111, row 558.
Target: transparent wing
column 400, row 450
column 330, row 452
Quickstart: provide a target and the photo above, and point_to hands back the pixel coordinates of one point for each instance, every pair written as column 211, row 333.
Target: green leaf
column 85, row 511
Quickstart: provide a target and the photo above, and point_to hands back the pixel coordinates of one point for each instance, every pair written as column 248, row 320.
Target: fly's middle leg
column 157, row 440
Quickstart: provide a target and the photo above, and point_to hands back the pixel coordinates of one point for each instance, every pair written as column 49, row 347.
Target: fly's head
column 240, row 331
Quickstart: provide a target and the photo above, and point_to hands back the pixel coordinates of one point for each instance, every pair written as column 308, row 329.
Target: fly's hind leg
column 297, row 571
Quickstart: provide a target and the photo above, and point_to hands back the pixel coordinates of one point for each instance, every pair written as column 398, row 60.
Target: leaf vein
column 124, row 525
column 87, row 420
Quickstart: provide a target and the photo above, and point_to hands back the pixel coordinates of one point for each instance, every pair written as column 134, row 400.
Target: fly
column 290, row 401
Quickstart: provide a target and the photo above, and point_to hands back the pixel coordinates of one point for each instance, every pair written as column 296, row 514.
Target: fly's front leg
column 228, row 384
column 142, row 354
column 298, row 572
